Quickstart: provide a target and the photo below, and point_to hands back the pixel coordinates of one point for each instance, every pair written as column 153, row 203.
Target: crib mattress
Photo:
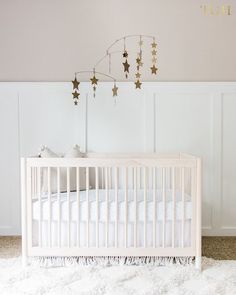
column 79, row 233
column 82, row 234
column 60, row 206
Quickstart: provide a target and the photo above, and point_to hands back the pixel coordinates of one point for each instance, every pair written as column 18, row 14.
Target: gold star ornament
column 94, row 80
column 75, row 83
column 154, row 52
column 154, row 69
column 125, row 54
column 114, row 90
column 138, row 84
column 138, row 60
column 126, row 66
column 154, row 44
column 76, row 95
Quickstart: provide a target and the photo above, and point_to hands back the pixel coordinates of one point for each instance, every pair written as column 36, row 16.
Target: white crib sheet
column 102, row 206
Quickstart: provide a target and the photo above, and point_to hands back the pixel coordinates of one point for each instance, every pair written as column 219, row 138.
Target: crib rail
column 144, row 199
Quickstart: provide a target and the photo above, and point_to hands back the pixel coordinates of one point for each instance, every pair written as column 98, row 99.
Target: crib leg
column 198, row 263
column 24, row 261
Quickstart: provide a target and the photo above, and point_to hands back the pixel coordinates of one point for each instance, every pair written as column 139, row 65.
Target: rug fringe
column 111, row 260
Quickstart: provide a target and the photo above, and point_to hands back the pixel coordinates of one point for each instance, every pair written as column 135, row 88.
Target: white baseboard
column 223, row 232
column 9, row 231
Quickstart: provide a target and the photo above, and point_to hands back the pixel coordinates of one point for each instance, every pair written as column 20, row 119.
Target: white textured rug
column 217, row 277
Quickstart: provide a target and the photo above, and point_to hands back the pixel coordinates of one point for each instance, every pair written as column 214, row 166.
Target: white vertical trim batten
column 49, row 209
column 88, row 205
column 78, row 204
column 68, row 205
column 97, row 205
column 24, row 210
column 59, row 206
column 164, row 206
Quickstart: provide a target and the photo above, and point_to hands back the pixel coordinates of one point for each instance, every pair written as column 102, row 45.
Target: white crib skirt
column 111, row 234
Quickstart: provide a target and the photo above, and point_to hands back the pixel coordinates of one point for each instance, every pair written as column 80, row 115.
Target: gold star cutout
column 126, row 66
column 154, row 52
column 137, row 75
column 75, row 83
column 114, row 90
column 94, row 80
column 76, row 102
column 154, row 44
column 154, row 60
column 154, row 69
column 125, row 54
column 138, row 60
column 138, row 84
column 76, row 94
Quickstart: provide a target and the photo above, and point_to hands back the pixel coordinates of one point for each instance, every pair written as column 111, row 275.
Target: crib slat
column 59, row 207
column 173, row 207
column 50, row 209
column 140, row 178
column 193, row 201
column 102, row 168
column 183, row 204
column 88, row 206
column 154, row 206
column 126, row 206
column 29, row 212
column 164, row 206
column 40, row 205
column 35, row 185
column 33, row 182
column 135, row 207
column 78, row 204
column 145, row 206
column 132, row 185
column 116, row 200
column 110, row 177
column 68, row 205
column 107, row 204
column 97, row 206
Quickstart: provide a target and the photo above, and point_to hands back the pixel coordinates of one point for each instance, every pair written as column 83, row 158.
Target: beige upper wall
column 49, row 40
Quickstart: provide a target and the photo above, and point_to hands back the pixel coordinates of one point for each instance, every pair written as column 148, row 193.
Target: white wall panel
column 184, row 123
column 196, row 118
column 47, row 117
column 9, row 162
column 117, row 127
column 228, row 197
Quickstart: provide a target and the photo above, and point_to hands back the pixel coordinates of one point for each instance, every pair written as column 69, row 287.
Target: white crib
column 112, row 205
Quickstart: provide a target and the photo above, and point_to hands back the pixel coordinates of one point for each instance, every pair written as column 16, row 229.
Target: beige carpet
column 220, row 248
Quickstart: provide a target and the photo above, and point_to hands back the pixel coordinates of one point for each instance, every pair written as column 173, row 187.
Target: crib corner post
column 198, row 263
column 23, row 212
column 198, row 257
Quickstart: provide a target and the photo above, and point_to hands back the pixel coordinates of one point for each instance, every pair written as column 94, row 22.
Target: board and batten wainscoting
column 191, row 117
